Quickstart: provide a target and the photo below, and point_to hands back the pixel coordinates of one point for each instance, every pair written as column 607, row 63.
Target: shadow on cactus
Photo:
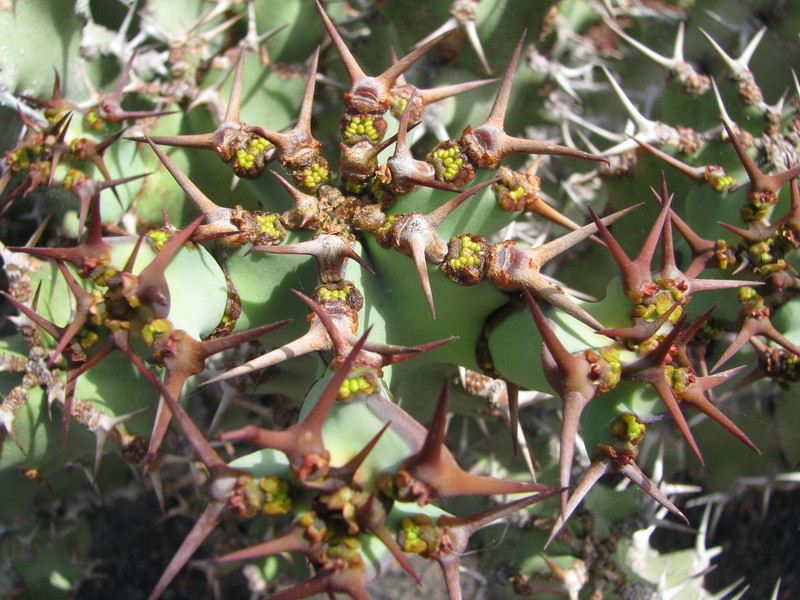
column 417, row 277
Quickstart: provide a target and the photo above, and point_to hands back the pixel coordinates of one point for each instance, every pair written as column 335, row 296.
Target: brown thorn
column 129, row 264
column 695, row 173
column 557, row 246
column 59, row 146
column 390, row 360
column 315, row 339
column 294, row 541
column 202, row 141
column 354, row 71
column 418, row 255
column 635, row 474
column 512, row 392
column 316, row 418
column 500, row 106
column 429, row 96
column 235, row 101
column 389, row 77
column 152, row 283
column 198, row 198
column 642, row 330
column 210, row 518
column 304, row 118
column 213, row 346
column 695, row 395
column 83, row 301
column 596, row 470
column 438, row 215
column 123, row 78
column 340, row 343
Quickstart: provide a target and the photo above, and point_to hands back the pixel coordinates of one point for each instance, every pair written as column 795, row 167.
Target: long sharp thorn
column 544, row 290
column 378, row 527
column 207, row 455
column 82, row 300
column 475, row 42
column 51, row 329
column 198, row 198
column 515, row 145
column 103, row 185
column 152, row 283
column 418, row 255
column 312, row 248
column 668, row 397
column 429, row 96
column 235, row 100
column 316, row 418
column 311, row 341
column 436, row 467
column 557, row 246
column 174, row 385
column 679, row 43
column 466, row 526
column 92, row 361
column 203, row 141
column 596, row 470
column 635, row 474
column 753, row 172
column 396, row 358
column 642, row 122
column 348, row 470
column 339, row 342
column 698, row 399
column 695, row 173
column 131, row 262
column 440, row 214
column 215, row 345
column 210, row 518
column 36, row 235
column 512, row 391
column 304, row 118
column 390, row 75
column 354, row 71
column 500, row 106
column 562, row 356
column 294, row 541
column 703, row 285
column 643, row 329
column 573, row 405
column 434, row 441
column 58, row 147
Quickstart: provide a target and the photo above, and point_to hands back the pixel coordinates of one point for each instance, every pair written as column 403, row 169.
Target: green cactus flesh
column 387, row 277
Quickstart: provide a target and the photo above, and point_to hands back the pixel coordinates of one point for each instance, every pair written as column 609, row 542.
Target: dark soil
column 759, row 548
column 756, row 548
column 132, row 545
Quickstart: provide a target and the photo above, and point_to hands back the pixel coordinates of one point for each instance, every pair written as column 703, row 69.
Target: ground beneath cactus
column 133, row 542
column 760, row 548
column 757, row 548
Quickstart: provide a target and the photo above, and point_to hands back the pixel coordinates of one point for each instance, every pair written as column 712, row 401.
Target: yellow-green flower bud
column 155, row 328
column 276, row 495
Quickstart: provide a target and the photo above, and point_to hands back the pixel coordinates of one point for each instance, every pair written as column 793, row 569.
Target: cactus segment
column 122, row 321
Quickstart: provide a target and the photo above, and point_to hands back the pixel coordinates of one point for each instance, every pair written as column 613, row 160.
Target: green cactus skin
column 112, row 329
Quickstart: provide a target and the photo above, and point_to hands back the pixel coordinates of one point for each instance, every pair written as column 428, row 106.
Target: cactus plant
column 172, row 301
